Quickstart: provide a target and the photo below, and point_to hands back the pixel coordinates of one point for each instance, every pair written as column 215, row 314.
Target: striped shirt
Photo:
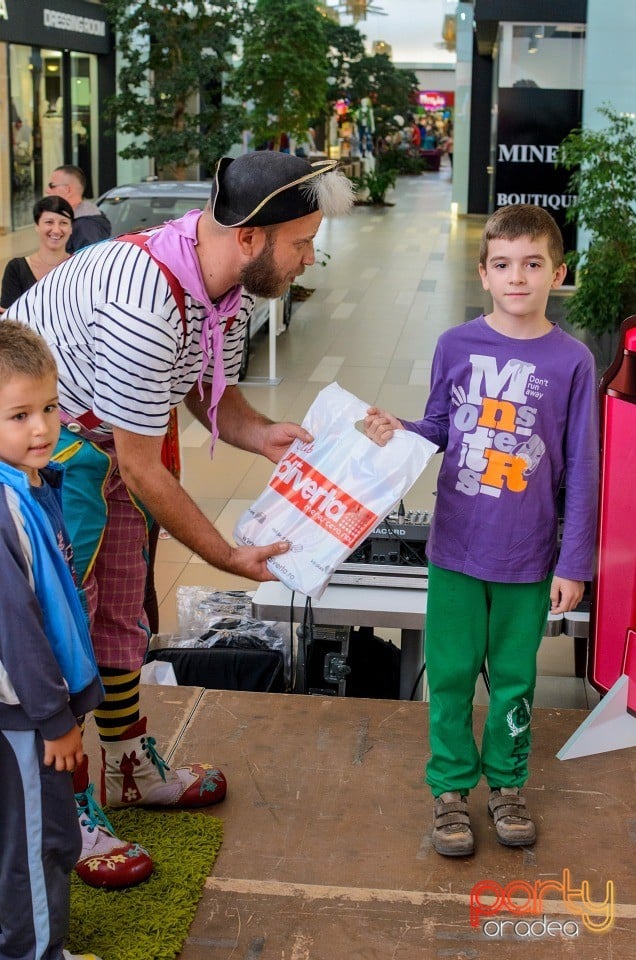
column 115, row 330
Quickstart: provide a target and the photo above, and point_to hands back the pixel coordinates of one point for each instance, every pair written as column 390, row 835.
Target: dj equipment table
column 359, row 606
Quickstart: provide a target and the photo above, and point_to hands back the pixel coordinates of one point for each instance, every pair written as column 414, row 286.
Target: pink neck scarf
column 174, row 245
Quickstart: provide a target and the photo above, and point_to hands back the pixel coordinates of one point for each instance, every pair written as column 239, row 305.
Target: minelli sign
column 532, row 122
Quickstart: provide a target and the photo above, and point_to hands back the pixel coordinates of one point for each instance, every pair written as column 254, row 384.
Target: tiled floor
column 396, row 278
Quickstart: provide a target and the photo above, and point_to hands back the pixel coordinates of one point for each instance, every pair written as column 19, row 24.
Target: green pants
column 470, row 622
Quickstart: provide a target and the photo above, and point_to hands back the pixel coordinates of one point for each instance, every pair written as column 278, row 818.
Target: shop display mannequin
column 366, row 126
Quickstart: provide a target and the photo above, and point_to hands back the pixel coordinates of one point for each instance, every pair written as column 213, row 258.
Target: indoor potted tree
column 175, row 63
column 604, row 185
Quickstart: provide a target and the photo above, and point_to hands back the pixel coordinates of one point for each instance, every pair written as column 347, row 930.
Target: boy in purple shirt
column 513, row 407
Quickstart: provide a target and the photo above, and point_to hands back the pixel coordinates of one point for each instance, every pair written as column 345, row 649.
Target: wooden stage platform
column 327, row 855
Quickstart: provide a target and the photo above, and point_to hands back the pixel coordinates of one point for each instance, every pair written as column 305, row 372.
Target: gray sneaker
column 513, row 823
column 452, row 835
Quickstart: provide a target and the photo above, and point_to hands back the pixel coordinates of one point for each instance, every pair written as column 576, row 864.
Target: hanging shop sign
column 435, row 100
column 66, row 24
column 531, row 124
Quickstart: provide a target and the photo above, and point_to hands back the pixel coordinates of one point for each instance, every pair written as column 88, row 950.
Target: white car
column 136, row 206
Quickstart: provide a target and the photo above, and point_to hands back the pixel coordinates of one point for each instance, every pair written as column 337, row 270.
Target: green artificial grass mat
column 149, row 921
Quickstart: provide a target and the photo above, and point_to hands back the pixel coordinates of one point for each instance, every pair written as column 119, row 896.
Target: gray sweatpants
column 40, row 842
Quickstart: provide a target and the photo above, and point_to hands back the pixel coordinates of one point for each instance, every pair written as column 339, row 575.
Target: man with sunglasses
column 89, row 224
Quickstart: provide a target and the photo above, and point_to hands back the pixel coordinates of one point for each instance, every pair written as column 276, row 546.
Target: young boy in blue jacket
column 513, row 407
column 48, row 673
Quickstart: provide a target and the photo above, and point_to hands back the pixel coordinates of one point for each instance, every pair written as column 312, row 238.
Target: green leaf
column 603, row 179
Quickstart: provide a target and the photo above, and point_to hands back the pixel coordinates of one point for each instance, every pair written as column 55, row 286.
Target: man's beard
column 259, row 276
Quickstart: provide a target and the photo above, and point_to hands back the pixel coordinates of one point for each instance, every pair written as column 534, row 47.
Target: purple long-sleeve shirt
column 516, row 419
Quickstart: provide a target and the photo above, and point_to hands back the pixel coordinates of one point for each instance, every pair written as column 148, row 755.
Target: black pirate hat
column 264, row 187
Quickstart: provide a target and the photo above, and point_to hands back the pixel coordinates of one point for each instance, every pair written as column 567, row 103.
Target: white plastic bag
column 324, row 497
column 159, row 672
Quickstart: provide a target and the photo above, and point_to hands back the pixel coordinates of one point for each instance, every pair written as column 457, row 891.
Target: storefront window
column 22, row 134
column 37, row 137
column 84, row 116
column 38, row 121
column 545, row 55
column 52, row 110
column 57, row 65
column 537, row 102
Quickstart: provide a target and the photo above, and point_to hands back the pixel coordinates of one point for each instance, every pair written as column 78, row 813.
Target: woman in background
column 53, row 218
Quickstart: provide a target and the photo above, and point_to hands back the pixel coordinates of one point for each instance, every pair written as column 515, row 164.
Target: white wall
column 130, row 171
column 5, row 172
column 610, row 62
column 435, row 79
column 461, row 125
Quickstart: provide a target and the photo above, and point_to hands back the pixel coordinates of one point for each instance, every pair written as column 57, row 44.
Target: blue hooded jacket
column 48, row 673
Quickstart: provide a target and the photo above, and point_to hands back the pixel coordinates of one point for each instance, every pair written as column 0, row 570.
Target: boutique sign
column 531, row 124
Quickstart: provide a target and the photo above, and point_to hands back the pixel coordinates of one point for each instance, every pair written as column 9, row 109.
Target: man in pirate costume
column 137, row 325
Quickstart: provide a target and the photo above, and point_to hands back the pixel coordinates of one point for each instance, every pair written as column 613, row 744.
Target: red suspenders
column 88, row 419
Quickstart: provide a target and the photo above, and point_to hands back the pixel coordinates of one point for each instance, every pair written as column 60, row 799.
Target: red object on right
column 613, row 612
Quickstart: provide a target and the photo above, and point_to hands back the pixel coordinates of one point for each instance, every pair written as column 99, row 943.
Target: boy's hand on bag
column 251, row 562
column 64, row 753
column 565, row 595
column 380, row 426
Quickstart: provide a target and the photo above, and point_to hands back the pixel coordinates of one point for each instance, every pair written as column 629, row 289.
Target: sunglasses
column 56, row 186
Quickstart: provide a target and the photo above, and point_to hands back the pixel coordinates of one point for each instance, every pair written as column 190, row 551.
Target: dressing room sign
column 64, row 24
